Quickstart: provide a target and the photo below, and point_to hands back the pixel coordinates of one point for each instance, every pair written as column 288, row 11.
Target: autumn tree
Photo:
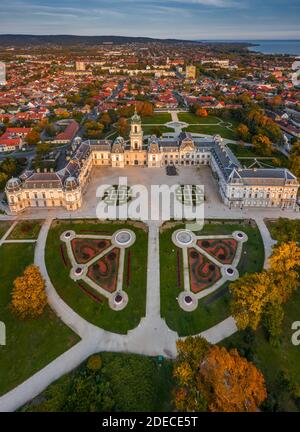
column 33, row 137
column 260, row 297
column 230, row 382
column 93, row 129
column 144, row 108
column 28, row 295
column 106, row 120
column 211, row 378
column 243, row 132
column 191, row 353
column 250, row 295
column 284, row 263
column 276, row 101
column 122, row 127
column 262, row 144
column 201, row 112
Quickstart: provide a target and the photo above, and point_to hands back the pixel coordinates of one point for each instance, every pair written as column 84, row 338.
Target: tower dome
column 13, row 184
column 136, row 118
column 71, row 183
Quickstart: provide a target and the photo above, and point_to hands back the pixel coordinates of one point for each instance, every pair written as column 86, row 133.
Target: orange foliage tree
column 28, row 295
column 230, row 382
column 201, row 112
column 210, row 378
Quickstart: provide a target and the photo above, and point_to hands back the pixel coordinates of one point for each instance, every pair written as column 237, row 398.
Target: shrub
column 94, row 363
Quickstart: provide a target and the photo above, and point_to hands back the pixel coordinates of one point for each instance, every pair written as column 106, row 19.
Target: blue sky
column 186, row 19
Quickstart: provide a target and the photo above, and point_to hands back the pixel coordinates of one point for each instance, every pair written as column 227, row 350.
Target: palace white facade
column 238, row 187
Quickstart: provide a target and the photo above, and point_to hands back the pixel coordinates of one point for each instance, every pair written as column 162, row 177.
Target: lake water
column 277, row 47
column 291, row 47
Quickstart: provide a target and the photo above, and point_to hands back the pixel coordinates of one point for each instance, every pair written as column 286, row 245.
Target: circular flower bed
column 123, row 238
column 184, row 237
column 118, row 299
column 188, row 299
column 78, row 271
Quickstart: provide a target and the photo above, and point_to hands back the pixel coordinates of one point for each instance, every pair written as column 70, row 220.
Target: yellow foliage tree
column 284, row 263
column 28, row 295
column 250, row 295
column 260, row 294
column 230, row 383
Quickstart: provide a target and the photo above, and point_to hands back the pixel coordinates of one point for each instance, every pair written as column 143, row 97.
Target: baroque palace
column 238, row 187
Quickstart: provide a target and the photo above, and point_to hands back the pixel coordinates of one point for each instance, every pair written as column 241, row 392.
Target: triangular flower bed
column 223, row 250
column 203, row 272
column 104, row 272
column 85, row 249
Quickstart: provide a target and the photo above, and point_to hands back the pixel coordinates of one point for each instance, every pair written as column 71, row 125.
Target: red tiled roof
column 69, row 133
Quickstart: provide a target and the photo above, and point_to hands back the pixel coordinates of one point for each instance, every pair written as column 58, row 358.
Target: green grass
column 159, row 118
column 208, row 313
column 212, row 130
column 30, row 344
column 194, row 119
column 4, row 226
column 276, row 361
column 284, row 230
column 26, row 230
column 250, row 152
column 131, row 383
column 150, row 130
column 100, row 315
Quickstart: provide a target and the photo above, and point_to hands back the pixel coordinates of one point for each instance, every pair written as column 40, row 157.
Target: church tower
column 136, row 132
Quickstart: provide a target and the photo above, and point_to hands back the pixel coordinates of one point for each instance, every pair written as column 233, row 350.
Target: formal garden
column 198, row 267
column 99, row 270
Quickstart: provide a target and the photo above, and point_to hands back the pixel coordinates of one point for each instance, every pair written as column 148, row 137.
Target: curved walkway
column 151, row 337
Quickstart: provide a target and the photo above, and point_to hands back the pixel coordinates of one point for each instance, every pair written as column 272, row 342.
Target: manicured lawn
column 193, row 119
column 159, row 118
column 26, row 230
column 4, row 226
column 153, row 130
column 275, row 362
column 212, row 130
column 242, row 151
column 128, row 382
column 211, row 310
column 32, row 344
column 250, row 152
column 100, row 314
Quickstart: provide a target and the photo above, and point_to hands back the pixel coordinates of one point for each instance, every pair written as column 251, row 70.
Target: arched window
column 135, row 129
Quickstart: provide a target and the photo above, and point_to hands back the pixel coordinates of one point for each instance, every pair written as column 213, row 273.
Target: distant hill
column 71, row 40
